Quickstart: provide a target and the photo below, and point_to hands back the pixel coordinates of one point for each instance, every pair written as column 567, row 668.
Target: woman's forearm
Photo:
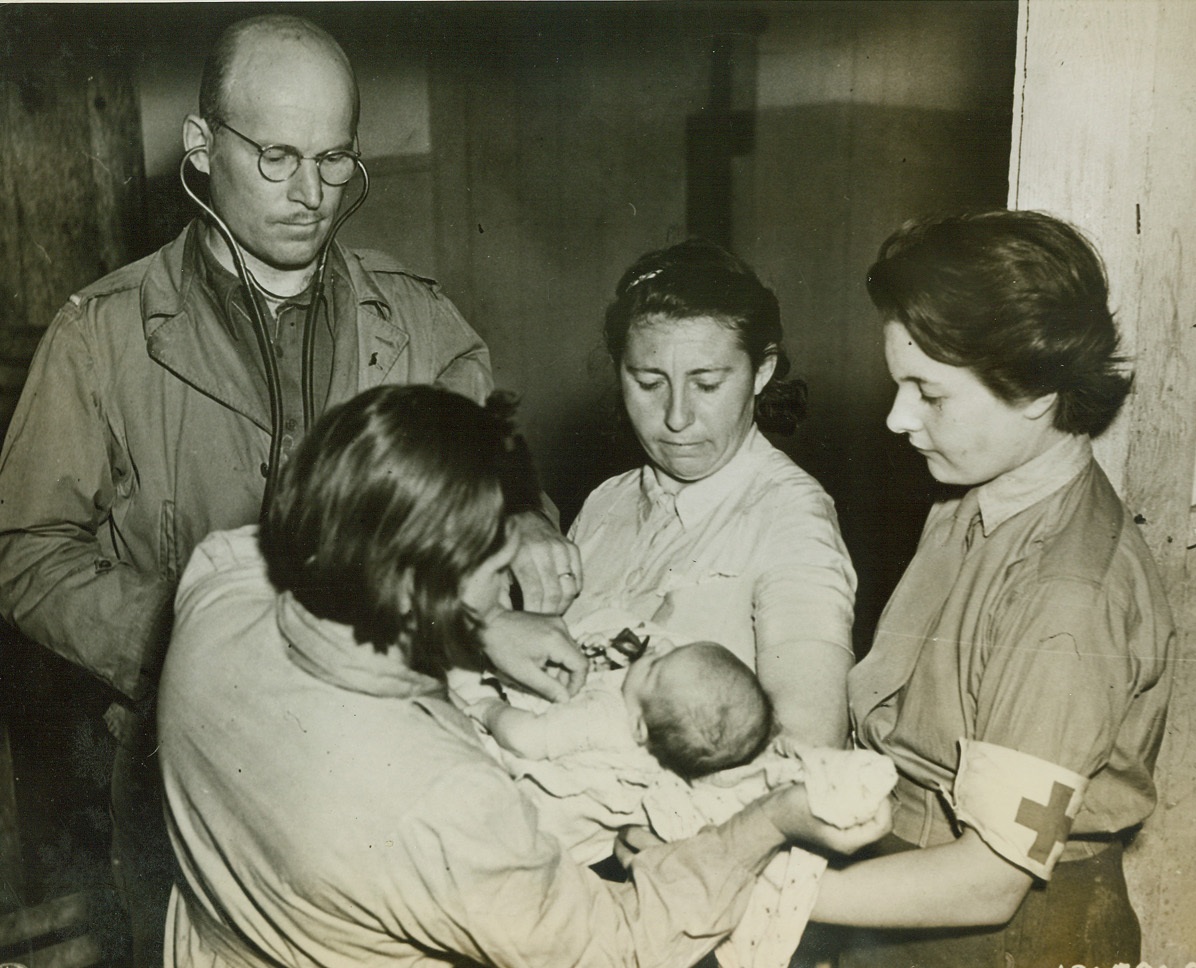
column 961, row 884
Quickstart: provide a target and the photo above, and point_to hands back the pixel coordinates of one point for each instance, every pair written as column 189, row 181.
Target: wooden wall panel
column 398, row 217
column 873, row 113
column 71, row 186
column 559, row 145
column 1105, row 133
column 830, row 182
column 71, row 190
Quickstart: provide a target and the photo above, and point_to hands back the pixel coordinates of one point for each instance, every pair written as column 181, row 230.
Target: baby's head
column 697, row 708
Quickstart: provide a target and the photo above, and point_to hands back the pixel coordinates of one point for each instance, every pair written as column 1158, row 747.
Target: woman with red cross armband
column 1020, row 673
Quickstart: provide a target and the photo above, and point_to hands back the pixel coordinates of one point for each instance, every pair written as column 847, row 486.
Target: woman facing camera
column 1020, row 673
column 720, row 535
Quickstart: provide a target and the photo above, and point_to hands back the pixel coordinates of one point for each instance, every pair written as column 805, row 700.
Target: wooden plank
column 11, row 865
column 117, row 166
column 71, row 183
column 559, row 156
column 1104, row 134
column 53, row 229
column 61, row 914
column 81, row 952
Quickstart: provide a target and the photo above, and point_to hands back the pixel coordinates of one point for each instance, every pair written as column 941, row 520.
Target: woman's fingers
column 537, row 652
column 547, row 565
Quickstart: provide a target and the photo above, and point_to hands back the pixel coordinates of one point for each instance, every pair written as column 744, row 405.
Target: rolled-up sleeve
column 806, row 589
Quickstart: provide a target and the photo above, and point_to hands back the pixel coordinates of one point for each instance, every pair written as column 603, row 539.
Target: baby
column 696, row 708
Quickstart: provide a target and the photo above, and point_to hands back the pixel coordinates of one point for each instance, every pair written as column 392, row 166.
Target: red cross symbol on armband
column 1049, row 821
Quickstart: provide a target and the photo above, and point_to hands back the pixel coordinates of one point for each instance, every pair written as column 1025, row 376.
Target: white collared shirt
column 751, row 553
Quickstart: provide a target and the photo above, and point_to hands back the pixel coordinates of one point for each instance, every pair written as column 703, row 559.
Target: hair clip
column 644, row 277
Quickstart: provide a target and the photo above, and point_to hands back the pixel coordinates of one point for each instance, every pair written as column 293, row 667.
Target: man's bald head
column 281, row 34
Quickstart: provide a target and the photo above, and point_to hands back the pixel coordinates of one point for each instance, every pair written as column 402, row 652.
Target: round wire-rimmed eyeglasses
column 277, row 163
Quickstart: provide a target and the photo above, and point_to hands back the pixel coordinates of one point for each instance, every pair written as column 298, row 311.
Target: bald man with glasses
column 166, row 397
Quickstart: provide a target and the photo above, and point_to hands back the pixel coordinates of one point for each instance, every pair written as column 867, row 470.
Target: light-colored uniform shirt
column 328, row 806
column 750, row 553
column 1021, row 670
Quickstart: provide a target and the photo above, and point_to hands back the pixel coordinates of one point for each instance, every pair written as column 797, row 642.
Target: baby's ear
column 639, row 728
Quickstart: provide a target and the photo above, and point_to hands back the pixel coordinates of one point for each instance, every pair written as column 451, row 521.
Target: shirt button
column 265, row 469
column 292, row 423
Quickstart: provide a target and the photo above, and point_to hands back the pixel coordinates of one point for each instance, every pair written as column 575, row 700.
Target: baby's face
column 644, row 674
column 663, row 668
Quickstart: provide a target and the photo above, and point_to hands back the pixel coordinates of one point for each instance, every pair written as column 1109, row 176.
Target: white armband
column 1021, row 806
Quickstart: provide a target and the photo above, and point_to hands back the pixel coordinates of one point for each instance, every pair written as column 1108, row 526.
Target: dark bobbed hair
column 1019, row 298
column 697, row 278
column 398, row 481
column 213, row 86
column 724, row 724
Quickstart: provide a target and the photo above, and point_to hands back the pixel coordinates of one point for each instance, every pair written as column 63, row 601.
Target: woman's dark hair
column 389, row 502
column 697, row 278
column 1019, row 298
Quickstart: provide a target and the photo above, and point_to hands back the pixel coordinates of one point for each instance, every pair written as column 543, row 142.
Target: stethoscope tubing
column 253, row 290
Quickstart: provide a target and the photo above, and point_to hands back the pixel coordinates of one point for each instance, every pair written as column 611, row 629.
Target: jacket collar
column 1012, row 492
column 171, row 276
column 185, row 330
column 328, row 651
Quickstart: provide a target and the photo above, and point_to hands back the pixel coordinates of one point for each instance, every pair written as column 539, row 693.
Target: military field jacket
column 143, row 427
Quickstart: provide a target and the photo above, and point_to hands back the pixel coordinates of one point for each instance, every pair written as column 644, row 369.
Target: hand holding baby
column 789, row 810
column 841, row 804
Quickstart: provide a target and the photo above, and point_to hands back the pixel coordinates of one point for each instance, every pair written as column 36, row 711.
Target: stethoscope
column 252, row 289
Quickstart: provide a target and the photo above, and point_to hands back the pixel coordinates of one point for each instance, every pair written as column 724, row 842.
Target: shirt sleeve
column 1056, row 681
column 594, row 720
column 803, row 602
column 806, row 587
column 1022, row 807
column 496, row 889
column 57, row 585
column 1057, row 677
